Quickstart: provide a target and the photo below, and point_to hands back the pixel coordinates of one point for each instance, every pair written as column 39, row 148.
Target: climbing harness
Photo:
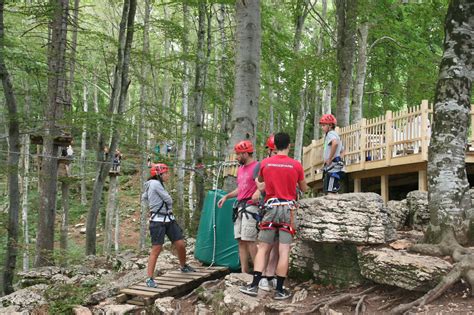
column 281, row 226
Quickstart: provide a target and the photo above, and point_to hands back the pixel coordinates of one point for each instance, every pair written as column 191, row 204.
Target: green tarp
column 222, row 247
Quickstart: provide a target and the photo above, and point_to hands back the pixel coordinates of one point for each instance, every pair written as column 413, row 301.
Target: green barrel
column 224, row 247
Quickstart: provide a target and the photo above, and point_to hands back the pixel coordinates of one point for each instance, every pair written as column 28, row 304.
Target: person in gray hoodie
column 162, row 220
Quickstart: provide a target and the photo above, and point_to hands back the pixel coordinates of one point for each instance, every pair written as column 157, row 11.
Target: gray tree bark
column 199, row 85
column 110, row 213
column 63, row 242
column 53, row 111
column 356, row 108
column 184, row 114
column 13, row 159
column 120, row 88
column 24, row 201
column 84, row 151
column 301, row 14
column 448, row 196
column 221, row 68
column 142, row 131
column 346, row 11
column 247, row 73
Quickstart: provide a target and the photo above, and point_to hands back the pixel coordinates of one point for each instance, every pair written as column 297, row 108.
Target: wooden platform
column 173, row 283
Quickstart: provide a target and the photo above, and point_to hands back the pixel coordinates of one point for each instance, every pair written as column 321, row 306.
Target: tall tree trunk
column 301, row 13
column 24, row 202
column 72, row 58
column 165, row 101
column 13, row 158
column 318, row 105
column 122, row 81
column 356, row 110
column 327, row 97
column 142, row 131
column 184, row 114
column 199, row 85
column 117, row 230
column 243, row 122
column 221, row 68
column 110, row 213
column 84, row 150
column 64, row 220
column 346, row 11
column 53, row 111
column 448, row 187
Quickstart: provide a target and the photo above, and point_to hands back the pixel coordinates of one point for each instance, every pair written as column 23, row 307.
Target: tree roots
column 463, row 269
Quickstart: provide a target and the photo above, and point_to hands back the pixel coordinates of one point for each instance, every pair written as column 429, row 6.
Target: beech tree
column 451, row 216
column 13, row 158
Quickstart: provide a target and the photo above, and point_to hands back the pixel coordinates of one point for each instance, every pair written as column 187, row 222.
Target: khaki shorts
column 245, row 226
column 277, row 214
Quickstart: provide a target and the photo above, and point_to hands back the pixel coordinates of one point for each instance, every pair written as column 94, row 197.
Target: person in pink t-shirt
column 281, row 175
column 246, row 210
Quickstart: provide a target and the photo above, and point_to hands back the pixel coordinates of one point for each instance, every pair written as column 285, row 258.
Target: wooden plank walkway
column 173, row 283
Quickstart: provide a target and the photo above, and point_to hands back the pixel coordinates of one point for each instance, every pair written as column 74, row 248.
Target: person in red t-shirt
column 281, row 175
column 246, row 209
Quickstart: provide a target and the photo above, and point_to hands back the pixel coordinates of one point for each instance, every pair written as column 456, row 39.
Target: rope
column 214, row 187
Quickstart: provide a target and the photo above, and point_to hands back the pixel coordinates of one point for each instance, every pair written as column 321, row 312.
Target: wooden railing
column 394, row 139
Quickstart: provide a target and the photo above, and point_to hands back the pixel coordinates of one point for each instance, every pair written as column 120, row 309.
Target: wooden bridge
column 173, row 283
column 385, row 151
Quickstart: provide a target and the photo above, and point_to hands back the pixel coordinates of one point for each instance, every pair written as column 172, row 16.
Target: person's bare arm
column 303, row 186
column 232, row 194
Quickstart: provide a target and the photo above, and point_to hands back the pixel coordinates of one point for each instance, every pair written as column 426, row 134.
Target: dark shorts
column 331, row 182
column 158, row 230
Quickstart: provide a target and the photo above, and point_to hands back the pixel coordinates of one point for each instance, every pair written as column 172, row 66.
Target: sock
column 280, row 281
column 257, row 276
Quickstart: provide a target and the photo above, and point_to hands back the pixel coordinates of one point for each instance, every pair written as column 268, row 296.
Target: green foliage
column 63, row 297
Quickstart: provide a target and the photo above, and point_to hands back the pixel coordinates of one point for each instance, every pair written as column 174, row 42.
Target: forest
column 180, row 82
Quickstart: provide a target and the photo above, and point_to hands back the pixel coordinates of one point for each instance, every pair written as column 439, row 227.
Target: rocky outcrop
column 399, row 213
column 24, row 300
column 399, row 268
column 417, row 202
column 357, row 218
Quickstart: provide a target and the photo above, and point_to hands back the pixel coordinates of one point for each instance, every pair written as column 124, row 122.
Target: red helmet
column 328, row 119
column 244, row 146
column 271, row 142
column 158, row 169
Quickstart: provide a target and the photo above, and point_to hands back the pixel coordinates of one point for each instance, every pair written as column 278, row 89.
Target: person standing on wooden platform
column 162, row 220
column 333, row 148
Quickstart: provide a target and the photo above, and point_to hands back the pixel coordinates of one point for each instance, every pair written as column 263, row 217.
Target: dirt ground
column 458, row 300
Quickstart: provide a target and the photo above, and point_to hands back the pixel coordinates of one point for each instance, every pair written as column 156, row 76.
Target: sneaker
column 282, row 294
column 264, row 285
column 249, row 289
column 151, row 283
column 187, row 268
column 267, row 285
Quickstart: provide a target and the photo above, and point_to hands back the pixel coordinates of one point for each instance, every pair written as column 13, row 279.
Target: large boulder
column 25, row 299
column 399, row 268
column 399, row 212
column 356, row 218
column 417, row 202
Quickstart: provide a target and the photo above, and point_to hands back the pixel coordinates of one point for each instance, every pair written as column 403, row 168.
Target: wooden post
column 357, row 185
column 388, row 137
column 424, row 127
column 422, row 180
column 363, row 141
column 384, row 188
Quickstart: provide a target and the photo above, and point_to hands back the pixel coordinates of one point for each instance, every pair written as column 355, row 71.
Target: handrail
column 396, row 138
